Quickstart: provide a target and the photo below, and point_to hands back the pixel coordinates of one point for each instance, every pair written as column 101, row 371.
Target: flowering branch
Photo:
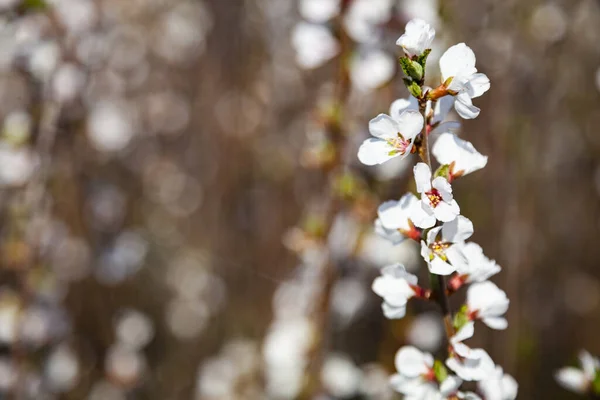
column 434, row 219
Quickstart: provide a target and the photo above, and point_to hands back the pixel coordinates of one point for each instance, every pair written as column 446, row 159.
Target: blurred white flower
column 134, row 329
column 485, row 301
column 426, row 332
column 437, row 202
column 319, row 11
column 62, row 369
column 460, row 155
column 441, row 254
column 392, row 137
column 44, row 59
column 314, row 45
column 417, row 38
column 579, row 380
column 363, row 18
column 396, row 286
column 499, row 386
column 371, row 69
column 110, row 126
column 427, row 10
column 67, row 82
column 18, row 165
column 124, row 365
column 340, row 377
column 457, row 67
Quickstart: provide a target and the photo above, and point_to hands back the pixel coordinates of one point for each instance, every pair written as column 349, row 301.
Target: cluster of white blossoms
column 433, row 218
column 585, row 381
column 316, row 39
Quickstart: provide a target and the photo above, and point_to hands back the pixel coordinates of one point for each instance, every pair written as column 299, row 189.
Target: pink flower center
column 399, row 143
column 434, row 197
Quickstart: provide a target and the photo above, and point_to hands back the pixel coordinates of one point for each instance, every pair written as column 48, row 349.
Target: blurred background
column 182, row 214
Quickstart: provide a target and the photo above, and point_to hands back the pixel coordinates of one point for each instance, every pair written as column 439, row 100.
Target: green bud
column 413, row 87
column 441, row 373
column 422, row 59
column 412, row 69
column 443, row 171
column 461, row 318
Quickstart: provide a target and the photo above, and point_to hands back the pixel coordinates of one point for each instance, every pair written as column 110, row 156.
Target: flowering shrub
column 434, row 219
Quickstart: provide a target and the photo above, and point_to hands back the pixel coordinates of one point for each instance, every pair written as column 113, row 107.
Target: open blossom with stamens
column 460, row 76
column 579, row 380
column 474, row 266
column 469, row 364
column 394, row 222
column 440, row 254
column 437, row 202
column 499, row 386
column 485, row 301
column 417, row 38
column 458, row 154
column 396, row 286
column 392, row 137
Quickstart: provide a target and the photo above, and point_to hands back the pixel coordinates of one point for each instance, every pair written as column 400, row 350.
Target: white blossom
column 474, row 266
column 393, row 222
column 579, row 380
column 469, row 364
column 499, row 386
column 314, row 45
column 396, row 286
column 460, row 155
column 392, row 137
column 440, row 255
column 437, row 202
column 417, row 38
column 458, row 70
column 485, row 301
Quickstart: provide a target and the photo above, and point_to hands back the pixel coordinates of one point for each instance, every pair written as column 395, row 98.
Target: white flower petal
column 450, row 149
column 401, row 105
column 384, row 127
column 444, row 187
column 458, row 60
column 457, row 230
column 411, row 123
column 393, row 312
column 465, row 108
column 421, row 217
column 422, row 177
column 446, row 212
column 393, row 235
column 411, row 362
column 478, row 84
column 417, row 38
column 572, row 379
column 498, row 323
column 440, row 267
column 375, row 151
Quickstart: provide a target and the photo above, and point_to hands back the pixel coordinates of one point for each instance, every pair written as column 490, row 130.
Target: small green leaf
column 440, row 371
column 411, row 69
column 443, row 171
column 461, row 318
column 414, row 88
column 422, row 59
